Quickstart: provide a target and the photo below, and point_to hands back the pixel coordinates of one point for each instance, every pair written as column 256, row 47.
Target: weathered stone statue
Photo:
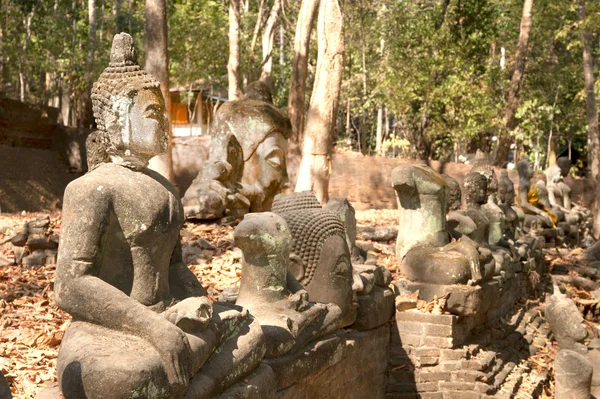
column 528, row 197
column 573, row 370
column 573, row 375
column 566, row 322
column 423, row 246
column 142, row 325
column 475, row 185
column 321, row 259
column 495, row 215
column 288, row 320
column 250, row 136
column 506, row 201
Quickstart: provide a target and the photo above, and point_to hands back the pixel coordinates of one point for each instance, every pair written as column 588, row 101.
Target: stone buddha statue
column 142, row 325
column 506, row 201
column 498, row 228
column 321, row 258
column 528, row 197
column 423, row 246
column 251, row 136
column 288, row 320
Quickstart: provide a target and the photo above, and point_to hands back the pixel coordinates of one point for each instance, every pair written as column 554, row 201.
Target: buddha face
column 475, row 189
column 334, row 280
column 267, row 167
column 140, row 125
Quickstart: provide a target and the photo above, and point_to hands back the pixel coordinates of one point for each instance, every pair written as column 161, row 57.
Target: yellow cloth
column 533, row 197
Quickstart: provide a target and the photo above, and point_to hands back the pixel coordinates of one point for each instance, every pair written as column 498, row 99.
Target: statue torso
column 145, row 219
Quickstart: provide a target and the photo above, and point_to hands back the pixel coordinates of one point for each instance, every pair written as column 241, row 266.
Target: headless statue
column 142, row 325
column 423, row 246
column 288, row 320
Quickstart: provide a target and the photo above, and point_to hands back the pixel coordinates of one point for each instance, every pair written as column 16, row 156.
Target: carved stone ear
column 296, row 266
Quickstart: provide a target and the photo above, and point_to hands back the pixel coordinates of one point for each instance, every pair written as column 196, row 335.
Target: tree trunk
column 322, row 113
column 157, row 63
column 233, row 66
column 87, row 119
column 118, row 16
column 268, row 37
column 257, row 27
column 379, row 138
column 516, row 82
column 592, row 116
column 306, row 16
column 363, row 121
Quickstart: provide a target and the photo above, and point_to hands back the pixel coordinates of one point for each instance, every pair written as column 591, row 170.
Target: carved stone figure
column 566, row 322
column 506, row 201
column 573, row 375
column 528, row 195
column 475, row 185
column 321, row 259
column 288, row 320
column 251, row 136
column 142, row 325
column 423, row 246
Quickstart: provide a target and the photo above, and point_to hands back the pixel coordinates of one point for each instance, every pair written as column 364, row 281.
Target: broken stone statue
column 289, row 321
column 370, row 302
column 423, row 247
column 247, row 163
column 142, row 325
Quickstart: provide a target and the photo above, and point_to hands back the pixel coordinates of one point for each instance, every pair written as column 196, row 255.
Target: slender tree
column 315, row 167
column 157, row 62
column 233, row 66
column 516, row 83
column 592, row 116
column 306, row 17
column 87, row 118
column 268, row 37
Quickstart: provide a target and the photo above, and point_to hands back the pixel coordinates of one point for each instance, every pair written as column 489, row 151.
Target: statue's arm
column 182, row 281
column 78, row 289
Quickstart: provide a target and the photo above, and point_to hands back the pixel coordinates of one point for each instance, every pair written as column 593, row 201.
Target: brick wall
column 361, row 372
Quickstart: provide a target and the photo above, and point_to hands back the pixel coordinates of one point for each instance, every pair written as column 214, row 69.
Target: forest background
column 425, row 78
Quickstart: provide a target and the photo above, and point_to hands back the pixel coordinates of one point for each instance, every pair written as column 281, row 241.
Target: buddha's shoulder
column 106, row 176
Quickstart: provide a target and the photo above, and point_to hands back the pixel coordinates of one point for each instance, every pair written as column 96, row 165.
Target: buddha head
column 487, row 170
column 553, row 174
column 506, row 189
column 453, row 194
column 564, row 164
column 475, row 185
column 321, row 259
column 262, row 131
column 525, row 169
column 128, row 107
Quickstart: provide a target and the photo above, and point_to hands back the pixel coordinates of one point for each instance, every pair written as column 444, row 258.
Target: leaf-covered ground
column 31, row 326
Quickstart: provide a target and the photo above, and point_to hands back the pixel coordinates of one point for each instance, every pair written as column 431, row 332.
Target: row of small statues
column 142, row 323
column 491, row 235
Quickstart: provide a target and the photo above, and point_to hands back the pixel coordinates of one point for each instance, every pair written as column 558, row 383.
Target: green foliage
column 433, row 64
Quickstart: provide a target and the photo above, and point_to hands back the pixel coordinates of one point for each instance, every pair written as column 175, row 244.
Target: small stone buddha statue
column 506, row 201
column 142, row 325
column 498, row 224
column 288, row 320
column 475, row 185
column 528, row 198
column 257, row 157
column 423, row 246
